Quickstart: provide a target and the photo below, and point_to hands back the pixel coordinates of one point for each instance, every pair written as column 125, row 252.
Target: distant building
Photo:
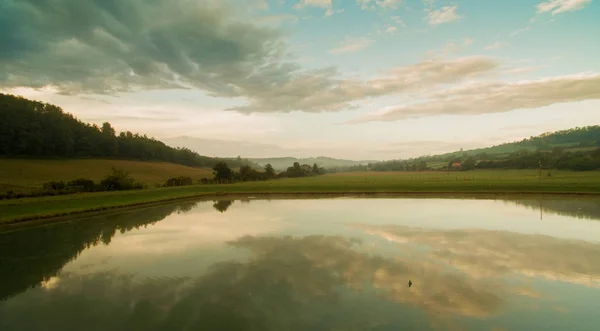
column 456, row 165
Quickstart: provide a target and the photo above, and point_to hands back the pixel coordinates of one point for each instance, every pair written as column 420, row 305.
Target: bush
column 82, row 185
column 119, row 180
column 179, row 181
column 55, row 185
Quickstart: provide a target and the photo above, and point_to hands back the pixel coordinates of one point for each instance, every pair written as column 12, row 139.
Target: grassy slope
column 30, row 173
column 503, row 181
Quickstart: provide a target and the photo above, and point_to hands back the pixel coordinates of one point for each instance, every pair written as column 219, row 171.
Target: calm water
column 331, row 264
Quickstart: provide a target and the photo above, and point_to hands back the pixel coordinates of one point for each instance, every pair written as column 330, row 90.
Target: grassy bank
column 25, row 174
column 477, row 182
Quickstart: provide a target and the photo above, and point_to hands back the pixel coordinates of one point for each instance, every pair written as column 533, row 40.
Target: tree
column 109, row 140
column 222, row 205
column 118, row 179
column 315, row 169
column 269, row 171
column 222, row 172
column 468, row 164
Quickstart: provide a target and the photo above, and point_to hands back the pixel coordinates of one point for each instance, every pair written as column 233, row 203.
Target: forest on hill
column 574, row 149
column 41, row 130
column 576, row 138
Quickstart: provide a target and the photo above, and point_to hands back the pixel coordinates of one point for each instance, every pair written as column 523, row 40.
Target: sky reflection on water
column 327, row 264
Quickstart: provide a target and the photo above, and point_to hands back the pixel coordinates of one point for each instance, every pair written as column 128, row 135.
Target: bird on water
column 409, row 283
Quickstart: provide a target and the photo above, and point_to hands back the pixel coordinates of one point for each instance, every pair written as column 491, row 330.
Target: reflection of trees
column 496, row 254
column 580, row 208
column 308, row 283
column 222, row 205
column 30, row 256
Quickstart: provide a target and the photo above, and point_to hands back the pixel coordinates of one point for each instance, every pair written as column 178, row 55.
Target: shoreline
column 42, row 219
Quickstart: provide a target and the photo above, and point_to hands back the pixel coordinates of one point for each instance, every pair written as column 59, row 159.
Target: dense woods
column 35, row 129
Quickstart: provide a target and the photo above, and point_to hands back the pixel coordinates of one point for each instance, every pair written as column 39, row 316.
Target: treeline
column 559, row 158
column 223, row 174
column 35, row 129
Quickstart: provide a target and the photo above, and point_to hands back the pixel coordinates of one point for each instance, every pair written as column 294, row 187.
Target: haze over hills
column 282, row 163
column 574, row 139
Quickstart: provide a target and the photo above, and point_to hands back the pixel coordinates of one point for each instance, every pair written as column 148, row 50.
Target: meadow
column 473, row 182
column 26, row 174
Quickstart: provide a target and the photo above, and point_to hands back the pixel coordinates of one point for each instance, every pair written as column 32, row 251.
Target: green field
column 26, row 174
column 500, row 181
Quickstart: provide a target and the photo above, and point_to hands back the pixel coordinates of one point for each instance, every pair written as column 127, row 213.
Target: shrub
column 118, row 180
column 179, row 181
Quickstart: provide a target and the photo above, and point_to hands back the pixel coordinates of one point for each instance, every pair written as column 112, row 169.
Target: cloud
column 482, row 98
column 450, row 47
column 561, row 6
column 351, row 45
column 317, row 91
column 443, row 15
column 495, row 45
column 373, row 4
column 519, row 31
column 523, row 70
column 392, row 4
column 314, row 3
column 398, row 20
column 391, row 29
column 277, row 19
column 497, row 254
column 118, row 46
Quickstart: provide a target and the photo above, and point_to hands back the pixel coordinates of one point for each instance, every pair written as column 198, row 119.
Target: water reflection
column 222, row 205
column 579, row 208
column 288, row 284
column 499, row 254
column 30, row 257
column 322, row 265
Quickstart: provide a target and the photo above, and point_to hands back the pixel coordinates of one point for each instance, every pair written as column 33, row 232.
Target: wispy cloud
column 351, row 45
column 519, row 31
column 398, row 20
column 561, row 6
column 481, row 98
column 392, row 4
column 523, row 70
column 496, row 45
column 443, row 15
column 374, row 4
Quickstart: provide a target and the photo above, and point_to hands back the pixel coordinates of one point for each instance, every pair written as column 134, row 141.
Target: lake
column 311, row 264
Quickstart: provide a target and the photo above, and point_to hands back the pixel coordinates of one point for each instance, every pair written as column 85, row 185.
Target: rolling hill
column 575, row 139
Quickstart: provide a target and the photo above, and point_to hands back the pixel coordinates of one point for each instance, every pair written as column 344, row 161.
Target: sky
column 354, row 79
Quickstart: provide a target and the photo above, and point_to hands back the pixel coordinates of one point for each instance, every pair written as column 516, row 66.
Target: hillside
column 282, row 163
column 585, row 138
column 574, row 149
column 35, row 129
column 24, row 174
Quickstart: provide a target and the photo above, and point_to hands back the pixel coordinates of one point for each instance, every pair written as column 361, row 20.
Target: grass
column 498, row 181
column 26, row 174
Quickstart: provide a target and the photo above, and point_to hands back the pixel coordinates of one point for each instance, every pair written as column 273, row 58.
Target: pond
column 310, row 264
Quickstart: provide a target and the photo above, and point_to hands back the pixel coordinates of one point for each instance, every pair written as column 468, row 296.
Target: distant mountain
column 282, row 163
